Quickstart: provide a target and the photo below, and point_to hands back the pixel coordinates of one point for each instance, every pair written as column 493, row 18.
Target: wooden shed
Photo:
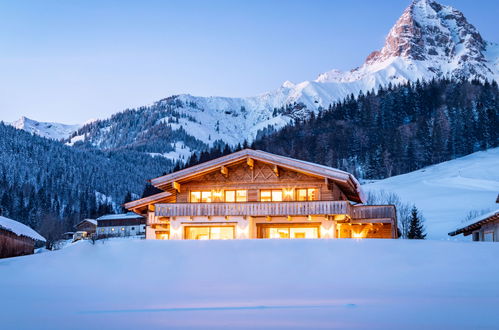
column 17, row 239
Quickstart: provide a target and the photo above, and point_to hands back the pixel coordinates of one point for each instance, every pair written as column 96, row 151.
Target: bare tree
column 378, row 197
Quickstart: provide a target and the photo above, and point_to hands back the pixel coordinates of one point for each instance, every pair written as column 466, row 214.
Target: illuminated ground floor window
column 289, row 231
column 209, row 232
column 162, row 235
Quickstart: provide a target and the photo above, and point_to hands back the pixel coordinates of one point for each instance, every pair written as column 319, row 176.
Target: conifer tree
column 416, row 229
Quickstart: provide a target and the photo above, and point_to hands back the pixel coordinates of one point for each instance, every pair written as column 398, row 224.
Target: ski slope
column 254, row 284
column 448, row 191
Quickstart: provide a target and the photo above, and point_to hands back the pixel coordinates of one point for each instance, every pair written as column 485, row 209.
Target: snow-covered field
column 448, row 191
column 248, row 284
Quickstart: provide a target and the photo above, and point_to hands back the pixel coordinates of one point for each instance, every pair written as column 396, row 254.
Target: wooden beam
column 276, row 170
column 250, row 162
column 151, row 207
column 224, row 170
column 176, row 186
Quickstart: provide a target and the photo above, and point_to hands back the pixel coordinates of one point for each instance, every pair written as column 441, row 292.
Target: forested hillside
column 396, row 130
column 42, row 181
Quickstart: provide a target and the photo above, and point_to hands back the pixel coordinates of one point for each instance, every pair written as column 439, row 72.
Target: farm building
column 17, row 239
column 128, row 224
column 255, row 194
column 84, row 229
column 483, row 228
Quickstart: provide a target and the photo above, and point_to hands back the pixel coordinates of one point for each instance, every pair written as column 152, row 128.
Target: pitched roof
column 476, row 223
column 92, row 221
column 19, row 229
column 344, row 180
column 129, row 215
column 139, row 203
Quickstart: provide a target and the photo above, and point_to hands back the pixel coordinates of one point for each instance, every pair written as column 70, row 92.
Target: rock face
column 428, row 31
column 428, row 41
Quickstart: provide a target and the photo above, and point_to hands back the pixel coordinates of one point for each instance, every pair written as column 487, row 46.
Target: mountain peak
column 428, row 30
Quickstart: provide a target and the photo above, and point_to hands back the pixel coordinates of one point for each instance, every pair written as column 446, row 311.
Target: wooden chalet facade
column 255, row 194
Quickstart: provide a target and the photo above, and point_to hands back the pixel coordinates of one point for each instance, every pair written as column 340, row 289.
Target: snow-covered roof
column 19, row 229
column 92, row 221
column 345, row 180
column 129, row 215
column 476, row 223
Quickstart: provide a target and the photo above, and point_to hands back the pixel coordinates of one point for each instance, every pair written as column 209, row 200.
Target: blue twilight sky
column 70, row 61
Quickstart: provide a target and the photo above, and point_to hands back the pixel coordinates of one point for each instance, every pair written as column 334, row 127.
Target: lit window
column 277, row 195
column 112, row 229
column 274, row 195
column 265, row 196
column 307, row 194
column 195, row 196
column 241, row 195
column 122, row 228
column 201, row 197
column 209, row 232
column 206, row 196
column 232, row 196
column 102, row 229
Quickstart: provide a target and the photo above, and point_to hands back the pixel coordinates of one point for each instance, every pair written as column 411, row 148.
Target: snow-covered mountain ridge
column 428, row 41
column 55, row 131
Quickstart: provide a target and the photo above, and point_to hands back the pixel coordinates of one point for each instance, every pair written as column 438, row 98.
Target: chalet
column 89, row 226
column 482, row 228
column 17, row 239
column 129, row 224
column 256, row 194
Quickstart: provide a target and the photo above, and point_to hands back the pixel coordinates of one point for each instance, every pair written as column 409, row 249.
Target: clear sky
column 70, row 61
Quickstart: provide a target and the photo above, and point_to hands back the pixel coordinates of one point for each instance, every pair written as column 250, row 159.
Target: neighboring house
column 67, row 235
column 255, row 194
column 17, row 239
column 128, row 224
column 88, row 225
column 483, row 228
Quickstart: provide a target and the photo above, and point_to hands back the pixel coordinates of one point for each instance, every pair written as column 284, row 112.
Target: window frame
column 235, row 195
column 271, row 195
column 201, row 196
column 307, row 194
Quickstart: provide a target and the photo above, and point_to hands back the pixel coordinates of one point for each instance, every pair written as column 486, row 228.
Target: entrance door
column 288, row 231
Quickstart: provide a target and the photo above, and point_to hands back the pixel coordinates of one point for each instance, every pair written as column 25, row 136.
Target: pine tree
column 416, row 229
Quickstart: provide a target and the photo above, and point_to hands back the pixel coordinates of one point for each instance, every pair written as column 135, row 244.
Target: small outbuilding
column 17, row 239
column 88, row 225
column 483, row 228
column 128, row 224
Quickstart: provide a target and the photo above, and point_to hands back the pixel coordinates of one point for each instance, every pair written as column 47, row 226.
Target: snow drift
column 248, row 284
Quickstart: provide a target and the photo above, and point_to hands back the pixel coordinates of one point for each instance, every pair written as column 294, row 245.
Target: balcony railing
column 373, row 212
column 253, row 209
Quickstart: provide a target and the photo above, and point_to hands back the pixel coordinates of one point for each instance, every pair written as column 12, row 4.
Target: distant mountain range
column 428, row 41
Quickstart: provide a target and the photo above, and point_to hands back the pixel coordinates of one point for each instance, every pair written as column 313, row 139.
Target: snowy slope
column 55, row 131
column 254, row 284
column 448, row 191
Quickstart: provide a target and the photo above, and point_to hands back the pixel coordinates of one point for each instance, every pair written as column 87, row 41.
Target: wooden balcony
column 253, row 209
column 360, row 212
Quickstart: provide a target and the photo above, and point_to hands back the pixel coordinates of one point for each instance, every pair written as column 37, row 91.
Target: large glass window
column 201, row 197
column 209, row 232
column 307, row 194
column 271, row 195
column 291, row 232
column 232, row 196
